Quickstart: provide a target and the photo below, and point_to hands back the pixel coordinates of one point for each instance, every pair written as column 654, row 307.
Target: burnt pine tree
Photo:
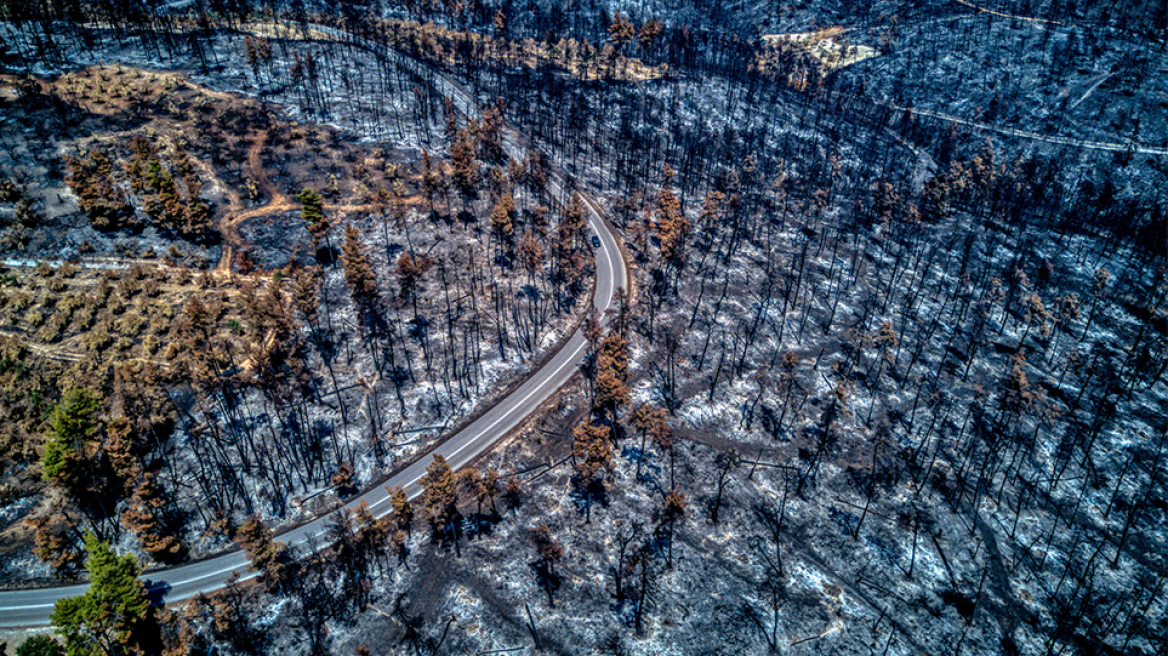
column 410, row 269
column 440, row 499
column 591, row 458
column 469, row 481
column 465, row 167
column 662, row 436
column 503, row 221
column 403, row 510
column 622, row 567
column 269, row 557
column 672, row 511
column 725, row 463
column 644, row 417
column 645, row 571
column 150, row 518
column 486, row 490
column 611, row 393
column 513, row 493
column 56, row 539
column 361, row 279
column 548, row 551
column 358, row 272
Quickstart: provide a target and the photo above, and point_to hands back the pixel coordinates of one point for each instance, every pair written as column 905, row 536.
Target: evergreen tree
column 40, row 645
column 71, row 425
column 113, row 616
column 312, row 212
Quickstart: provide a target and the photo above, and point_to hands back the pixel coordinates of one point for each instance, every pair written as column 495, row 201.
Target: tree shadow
column 650, row 469
column 325, row 255
column 548, row 580
column 156, row 592
column 592, row 494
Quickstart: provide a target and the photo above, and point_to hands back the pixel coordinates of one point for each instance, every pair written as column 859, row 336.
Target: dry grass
column 110, row 315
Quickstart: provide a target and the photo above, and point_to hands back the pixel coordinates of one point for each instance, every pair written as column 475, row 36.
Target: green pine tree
column 71, row 424
column 312, row 211
column 113, row 616
column 40, row 645
column 311, row 206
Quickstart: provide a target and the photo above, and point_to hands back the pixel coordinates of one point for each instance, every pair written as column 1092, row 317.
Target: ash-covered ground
column 895, row 379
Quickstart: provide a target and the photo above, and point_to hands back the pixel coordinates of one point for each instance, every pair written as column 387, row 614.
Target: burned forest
column 678, row 327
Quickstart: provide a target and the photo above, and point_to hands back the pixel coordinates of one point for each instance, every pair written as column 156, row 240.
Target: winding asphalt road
column 32, row 607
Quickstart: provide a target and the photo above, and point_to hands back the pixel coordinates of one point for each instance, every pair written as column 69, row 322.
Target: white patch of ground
column 823, row 45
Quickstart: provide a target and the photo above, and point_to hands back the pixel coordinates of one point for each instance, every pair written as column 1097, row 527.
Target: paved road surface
column 27, row 608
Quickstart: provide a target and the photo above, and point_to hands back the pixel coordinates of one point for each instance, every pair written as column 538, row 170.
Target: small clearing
column 825, row 47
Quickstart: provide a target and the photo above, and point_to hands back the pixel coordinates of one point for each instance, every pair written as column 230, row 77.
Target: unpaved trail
column 255, row 165
column 1036, row 136
column 1000, row 14
column 278, row 202
column 229, row 222
column 33, row 607
column 219, row 95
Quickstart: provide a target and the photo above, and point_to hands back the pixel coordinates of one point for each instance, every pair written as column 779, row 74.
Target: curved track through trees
column 32, row 607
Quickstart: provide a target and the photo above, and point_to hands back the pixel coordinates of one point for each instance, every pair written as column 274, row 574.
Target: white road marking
column 318, row 527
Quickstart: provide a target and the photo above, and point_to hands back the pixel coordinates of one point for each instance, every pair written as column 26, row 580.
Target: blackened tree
column 440, row 499
column 548, row 551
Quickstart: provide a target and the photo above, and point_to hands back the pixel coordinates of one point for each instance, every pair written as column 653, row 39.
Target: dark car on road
column 595, row 241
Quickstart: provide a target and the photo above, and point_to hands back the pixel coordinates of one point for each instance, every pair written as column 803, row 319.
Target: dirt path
column 1087, row 94
column 59, row 354
column 255, row 165
column 220, row 95
column 278, row 201
column 1035, row 136
column 229, row 222
column 1005, row 15
column 235, row 213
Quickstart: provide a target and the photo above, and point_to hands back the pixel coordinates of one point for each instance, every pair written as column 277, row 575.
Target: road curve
column 32, row 607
